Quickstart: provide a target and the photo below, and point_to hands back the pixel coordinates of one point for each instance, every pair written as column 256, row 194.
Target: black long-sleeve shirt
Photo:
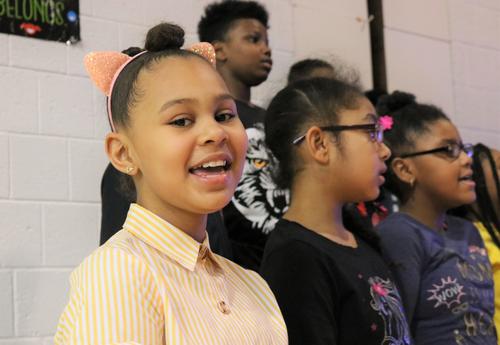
column 330, row 293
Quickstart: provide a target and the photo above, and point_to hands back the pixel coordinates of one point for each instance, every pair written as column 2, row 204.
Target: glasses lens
column 453, row 150
column 380, row 134
column 469, row 150
column 376, row 134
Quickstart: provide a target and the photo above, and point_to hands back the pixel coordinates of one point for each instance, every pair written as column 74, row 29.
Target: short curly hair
column 302, row 69
column 219, row 16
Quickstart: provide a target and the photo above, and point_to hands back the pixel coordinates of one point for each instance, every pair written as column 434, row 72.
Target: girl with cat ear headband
column 177, row 133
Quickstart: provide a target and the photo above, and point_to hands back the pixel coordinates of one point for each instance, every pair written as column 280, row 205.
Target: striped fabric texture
column 152, row 284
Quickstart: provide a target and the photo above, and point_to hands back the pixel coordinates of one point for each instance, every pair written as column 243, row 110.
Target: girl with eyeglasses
column 439, row 261
column 324, row 268
column 485, row 212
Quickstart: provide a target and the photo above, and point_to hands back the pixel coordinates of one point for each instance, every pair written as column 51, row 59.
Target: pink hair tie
column 105, row 67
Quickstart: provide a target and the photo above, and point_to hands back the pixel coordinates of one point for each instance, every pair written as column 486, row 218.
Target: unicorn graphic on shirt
column 387, row 303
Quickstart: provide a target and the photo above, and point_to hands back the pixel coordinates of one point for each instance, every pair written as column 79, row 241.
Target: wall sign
column 55, row 20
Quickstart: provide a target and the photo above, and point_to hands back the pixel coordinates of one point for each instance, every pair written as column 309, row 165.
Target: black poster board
column 55, row 20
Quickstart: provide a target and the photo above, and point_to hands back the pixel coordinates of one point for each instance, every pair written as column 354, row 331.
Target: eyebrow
column 371, row 116
column 171, row 103
column 224, row 97
column 449, row 141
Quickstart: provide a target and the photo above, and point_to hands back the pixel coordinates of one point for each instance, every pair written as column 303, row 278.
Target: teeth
column 214, row 164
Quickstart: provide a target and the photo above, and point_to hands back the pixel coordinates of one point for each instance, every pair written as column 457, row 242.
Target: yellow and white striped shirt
column 153, row 284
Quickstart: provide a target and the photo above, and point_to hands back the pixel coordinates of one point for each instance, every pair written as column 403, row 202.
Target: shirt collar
column 164, row 236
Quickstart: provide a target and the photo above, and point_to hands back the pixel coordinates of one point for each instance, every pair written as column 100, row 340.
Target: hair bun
column 164, row 36
column 132, row 51
column 395, row 101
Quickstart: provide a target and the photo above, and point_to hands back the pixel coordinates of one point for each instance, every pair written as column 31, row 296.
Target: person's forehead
column 178, row 75
column 170, row 67
column 365, row 105
column 363, row 112
column 441, row 132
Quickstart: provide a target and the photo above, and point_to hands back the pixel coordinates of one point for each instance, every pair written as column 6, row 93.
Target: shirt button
column 224, row 308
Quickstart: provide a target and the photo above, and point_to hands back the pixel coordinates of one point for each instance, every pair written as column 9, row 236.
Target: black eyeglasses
column 375, row 130
column 451, row 151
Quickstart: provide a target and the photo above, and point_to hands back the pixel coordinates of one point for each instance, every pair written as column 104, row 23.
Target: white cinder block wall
column 52, row 120
column 52, row 123
column 447, row 52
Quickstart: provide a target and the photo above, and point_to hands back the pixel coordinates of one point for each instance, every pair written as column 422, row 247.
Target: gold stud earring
column 129, row 170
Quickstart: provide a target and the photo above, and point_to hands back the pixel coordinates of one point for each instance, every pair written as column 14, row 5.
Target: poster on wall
column 55, row 20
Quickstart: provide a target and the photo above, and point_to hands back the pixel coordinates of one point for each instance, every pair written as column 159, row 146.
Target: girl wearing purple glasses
column 330, row 281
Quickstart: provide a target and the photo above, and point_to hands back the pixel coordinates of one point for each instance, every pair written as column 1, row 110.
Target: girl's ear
column 317, row 145
column 118, row 149
column 404, row 169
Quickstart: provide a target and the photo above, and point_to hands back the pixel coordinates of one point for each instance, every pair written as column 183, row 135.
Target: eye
column 453, row 150
column 253, row 38
column 373, row 134
column 181, row 122
column 223, row 117
column 259, row 163
column 468, row 149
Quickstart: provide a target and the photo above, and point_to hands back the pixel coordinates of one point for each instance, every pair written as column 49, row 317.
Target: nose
column 266, row 48
column 465, row 159
column 213, row 133
column 384, row 151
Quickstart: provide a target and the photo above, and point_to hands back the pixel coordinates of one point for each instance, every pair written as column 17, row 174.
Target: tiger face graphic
column 257, row 197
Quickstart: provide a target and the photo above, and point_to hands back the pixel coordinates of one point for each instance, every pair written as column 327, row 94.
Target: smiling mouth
column 466, row 178
column 211, row 168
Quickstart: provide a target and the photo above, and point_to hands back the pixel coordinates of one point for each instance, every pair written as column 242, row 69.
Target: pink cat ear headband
column 105, row 67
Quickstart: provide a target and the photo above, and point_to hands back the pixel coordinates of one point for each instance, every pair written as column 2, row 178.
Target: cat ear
column 103, row 67
column 205, row 50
